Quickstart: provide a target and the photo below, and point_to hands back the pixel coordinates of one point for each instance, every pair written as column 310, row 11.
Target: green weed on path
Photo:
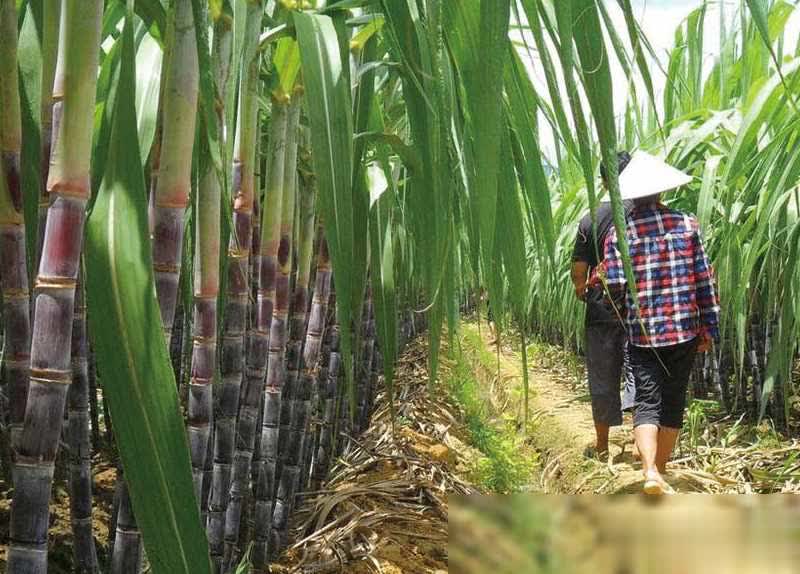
column 506, row 465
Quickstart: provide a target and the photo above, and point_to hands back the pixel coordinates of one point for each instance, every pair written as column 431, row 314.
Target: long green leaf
column 330, row 116
column 132, row 356
column 597, row 80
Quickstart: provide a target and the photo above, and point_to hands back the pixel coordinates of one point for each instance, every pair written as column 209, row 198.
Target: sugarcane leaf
column 29, row 57
column 567, row 56
column 419, row 50
column 757, row 113
column 367, row 32
column 482, row 94
column 382, row 271
column 591, row 50
column 705, row 201
column 407, row 154
column 330, row 116
column 207, row 89
column 148, row 83
column 512, row 236
column 154, row 16
column 286, row 65
column 125, row 326
column 364, row 101
column 564, row 131
column 521, row 111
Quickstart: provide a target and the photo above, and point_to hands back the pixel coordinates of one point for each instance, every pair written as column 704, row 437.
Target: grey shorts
column 606, row 363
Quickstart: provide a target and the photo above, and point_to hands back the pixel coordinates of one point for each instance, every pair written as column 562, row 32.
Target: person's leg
column 667, row 437
column 604, row 369
column 649, row 377
column 601, row 432
column 679, row 361
column 647, row 442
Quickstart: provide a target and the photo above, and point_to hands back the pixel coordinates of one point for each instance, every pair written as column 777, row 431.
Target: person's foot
column 595, row 453
column 654, row 484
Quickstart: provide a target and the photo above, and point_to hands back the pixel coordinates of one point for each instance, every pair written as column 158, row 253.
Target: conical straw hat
column 647, row 175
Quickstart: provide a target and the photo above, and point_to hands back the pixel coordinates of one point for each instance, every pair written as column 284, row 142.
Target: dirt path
column 560, row 425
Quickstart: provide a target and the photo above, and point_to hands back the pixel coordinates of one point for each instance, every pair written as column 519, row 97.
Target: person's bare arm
column 580, row 273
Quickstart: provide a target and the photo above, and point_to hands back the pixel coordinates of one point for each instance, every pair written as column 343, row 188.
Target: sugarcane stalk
column 277, row 262
column 232, row 463
column 112, row 519
column 299, row 391
column 330, row 393
column 80, row 469
column 126, row 554
column 255, row 271
column 69, row 186
column 292, row 365
column 204, row 336
column 14, row 276
column 51, row 12
column 311, row 441
column 173, row 174
column 326, row 392
column 221, row 447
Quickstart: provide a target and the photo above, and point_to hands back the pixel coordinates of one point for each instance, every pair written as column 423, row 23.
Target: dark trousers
column 606, row 364
column 661, row 375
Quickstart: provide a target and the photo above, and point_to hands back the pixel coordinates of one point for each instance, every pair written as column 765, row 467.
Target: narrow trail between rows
column 727, row 456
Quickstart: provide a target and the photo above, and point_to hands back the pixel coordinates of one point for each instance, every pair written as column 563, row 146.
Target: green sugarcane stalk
column 234, row 466
column 173, row 173
column 50, row 48
column 14, row 276
column 80, row 448
column 273, row 301
column 69, row 185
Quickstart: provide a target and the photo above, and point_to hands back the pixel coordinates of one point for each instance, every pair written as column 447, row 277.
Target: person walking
column 674, row 313
column 605, row 333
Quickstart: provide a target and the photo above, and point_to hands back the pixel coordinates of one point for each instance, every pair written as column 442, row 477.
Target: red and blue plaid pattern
column 675, row 282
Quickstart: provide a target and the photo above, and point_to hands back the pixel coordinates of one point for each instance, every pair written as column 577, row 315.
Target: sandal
column 657, row 487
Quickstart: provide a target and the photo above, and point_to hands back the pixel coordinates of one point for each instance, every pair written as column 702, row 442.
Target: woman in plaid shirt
column 676, row 314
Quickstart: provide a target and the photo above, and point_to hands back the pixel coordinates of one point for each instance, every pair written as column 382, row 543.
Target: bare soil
column 60, row 531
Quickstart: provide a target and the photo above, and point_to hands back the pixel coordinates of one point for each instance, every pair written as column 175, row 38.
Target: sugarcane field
column 399, row 286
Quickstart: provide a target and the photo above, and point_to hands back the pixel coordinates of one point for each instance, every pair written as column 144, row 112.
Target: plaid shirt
column 677, row 299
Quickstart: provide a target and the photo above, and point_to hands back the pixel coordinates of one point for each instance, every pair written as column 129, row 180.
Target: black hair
column 623, row 159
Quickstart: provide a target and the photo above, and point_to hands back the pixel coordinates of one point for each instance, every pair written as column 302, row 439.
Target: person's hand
column 705, row 343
